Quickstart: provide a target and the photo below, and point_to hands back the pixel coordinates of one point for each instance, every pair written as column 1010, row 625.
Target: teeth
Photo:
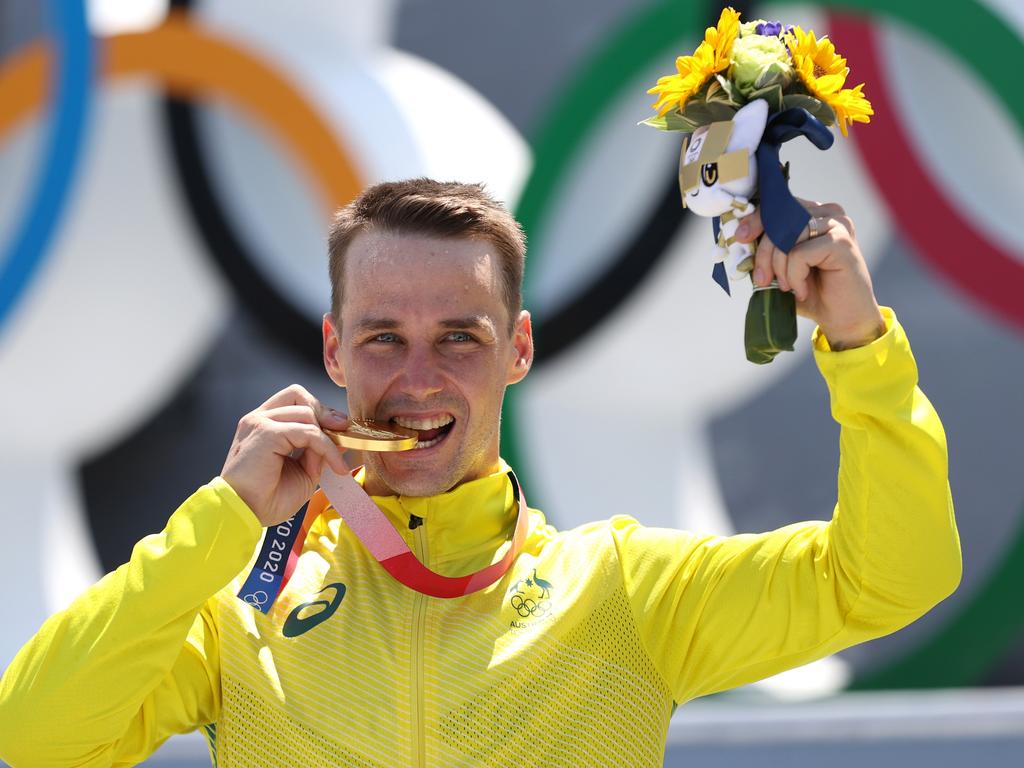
column 431, row 423
column 421, row 444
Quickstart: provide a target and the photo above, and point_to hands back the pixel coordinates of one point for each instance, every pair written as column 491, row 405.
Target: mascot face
column 717, row 163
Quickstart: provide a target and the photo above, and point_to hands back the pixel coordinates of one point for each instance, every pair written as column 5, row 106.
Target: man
column 578, row 653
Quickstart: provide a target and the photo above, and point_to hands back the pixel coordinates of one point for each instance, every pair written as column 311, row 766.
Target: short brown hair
column 425, row 206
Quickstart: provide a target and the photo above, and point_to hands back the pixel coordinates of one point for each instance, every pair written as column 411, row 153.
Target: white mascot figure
column 718, row 177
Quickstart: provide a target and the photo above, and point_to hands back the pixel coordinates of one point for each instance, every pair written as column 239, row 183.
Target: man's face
column 424, row 342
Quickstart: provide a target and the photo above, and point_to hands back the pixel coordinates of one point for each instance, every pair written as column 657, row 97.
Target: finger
column 811, row 230
column 303, row 414
column 817, row 227
column 299, row 414
column 309, row 438
column 818, row 208
column 297, row 395
column 334, row 419
column 798, row 272
column 312, row 465
column 803, row 258
column 294, row 394
column 832, row 211
column 779, row 260
column 750, row 227
column 763, row 272
column 846, row 223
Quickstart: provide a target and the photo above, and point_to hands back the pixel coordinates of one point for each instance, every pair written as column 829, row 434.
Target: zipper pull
column 415, row 521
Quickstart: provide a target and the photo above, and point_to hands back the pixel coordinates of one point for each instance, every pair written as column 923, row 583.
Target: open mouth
column 432, row 430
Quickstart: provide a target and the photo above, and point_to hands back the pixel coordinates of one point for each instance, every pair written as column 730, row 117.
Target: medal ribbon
column 281, row 548
column 378, row 535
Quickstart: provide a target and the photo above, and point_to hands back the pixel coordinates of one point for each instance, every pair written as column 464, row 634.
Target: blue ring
column 26, row 250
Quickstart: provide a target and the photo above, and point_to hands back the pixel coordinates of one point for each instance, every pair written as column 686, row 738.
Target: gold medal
column 366, row 435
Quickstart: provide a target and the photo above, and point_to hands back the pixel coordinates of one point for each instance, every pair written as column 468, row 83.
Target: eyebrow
column 481, row 322
column 375, row 324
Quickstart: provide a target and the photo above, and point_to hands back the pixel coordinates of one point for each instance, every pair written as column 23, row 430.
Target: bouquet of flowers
column 746, row 90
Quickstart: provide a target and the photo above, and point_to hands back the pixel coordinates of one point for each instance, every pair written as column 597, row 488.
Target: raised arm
column 719, row 612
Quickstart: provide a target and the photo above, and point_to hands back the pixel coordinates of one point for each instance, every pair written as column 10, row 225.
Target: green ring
column 974, row 640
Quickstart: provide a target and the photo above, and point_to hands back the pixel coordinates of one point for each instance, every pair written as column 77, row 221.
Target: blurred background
column 167, row 170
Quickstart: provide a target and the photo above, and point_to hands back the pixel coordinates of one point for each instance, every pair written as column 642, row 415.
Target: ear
column 522, row 344
column 748, row 126
column 332, row 351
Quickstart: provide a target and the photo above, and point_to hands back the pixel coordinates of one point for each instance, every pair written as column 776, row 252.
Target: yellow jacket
column 574, row 658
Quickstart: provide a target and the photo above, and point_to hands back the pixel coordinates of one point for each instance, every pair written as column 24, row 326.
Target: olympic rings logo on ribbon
column 257, row 599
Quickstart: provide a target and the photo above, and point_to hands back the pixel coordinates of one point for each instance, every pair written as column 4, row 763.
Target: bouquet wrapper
column 770, row 325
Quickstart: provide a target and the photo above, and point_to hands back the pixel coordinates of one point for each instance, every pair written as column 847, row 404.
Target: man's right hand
column 278, row 452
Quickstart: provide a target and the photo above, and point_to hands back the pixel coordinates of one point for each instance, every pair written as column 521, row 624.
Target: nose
column 422, row 375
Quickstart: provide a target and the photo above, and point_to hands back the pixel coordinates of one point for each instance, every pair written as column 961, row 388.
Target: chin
column 415, row 481
column 419, row 486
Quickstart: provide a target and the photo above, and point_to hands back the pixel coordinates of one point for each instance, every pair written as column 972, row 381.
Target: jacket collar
column 472, row 518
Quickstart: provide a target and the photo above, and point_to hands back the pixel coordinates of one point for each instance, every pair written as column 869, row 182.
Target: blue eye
column 385, row 338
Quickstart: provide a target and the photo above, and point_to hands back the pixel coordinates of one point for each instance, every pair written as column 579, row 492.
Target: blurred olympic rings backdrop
column 163, row 215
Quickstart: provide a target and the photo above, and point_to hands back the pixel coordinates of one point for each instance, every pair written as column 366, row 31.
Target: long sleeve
column 134, row 659
column 717, row 612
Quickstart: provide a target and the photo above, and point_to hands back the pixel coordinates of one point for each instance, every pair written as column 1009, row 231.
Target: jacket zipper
column 419, row 620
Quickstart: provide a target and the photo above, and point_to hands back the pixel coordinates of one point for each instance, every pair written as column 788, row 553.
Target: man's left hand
column 826, row 272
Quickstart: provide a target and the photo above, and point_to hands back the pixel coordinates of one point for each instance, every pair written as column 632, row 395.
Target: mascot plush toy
column 747, row 89
column 718, row 179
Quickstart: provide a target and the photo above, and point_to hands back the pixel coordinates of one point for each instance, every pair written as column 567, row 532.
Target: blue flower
column 769, row 28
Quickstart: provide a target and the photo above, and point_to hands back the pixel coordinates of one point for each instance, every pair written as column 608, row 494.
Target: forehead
column 414, row 274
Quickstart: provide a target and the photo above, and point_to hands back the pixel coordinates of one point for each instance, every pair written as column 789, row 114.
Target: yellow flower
column 824, row 73
column 851, row 107
column 711, row 56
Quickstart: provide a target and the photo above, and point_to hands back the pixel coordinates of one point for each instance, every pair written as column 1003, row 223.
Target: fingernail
column 759, row 276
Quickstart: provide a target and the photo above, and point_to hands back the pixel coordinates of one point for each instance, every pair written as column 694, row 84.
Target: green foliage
column 705, row 112
column 816, row 107
column 724, row 90
column 775, row 74
column 772, row 94
column 670, row 121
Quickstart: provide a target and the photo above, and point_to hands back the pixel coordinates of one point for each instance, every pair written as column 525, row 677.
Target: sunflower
column 851, row 107
column 824, row 73
column 711, row 56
